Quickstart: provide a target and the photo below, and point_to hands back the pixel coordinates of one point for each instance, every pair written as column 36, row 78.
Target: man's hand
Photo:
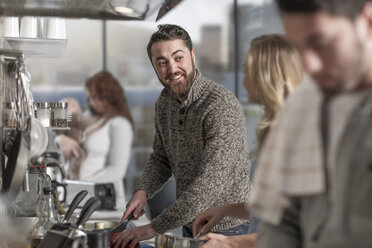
column 136, row 204
column 133, row 236
column 207, row 220
column 213, row 240
column 69, row 146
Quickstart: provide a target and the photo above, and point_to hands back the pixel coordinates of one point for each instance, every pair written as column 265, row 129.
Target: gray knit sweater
column 202, row 142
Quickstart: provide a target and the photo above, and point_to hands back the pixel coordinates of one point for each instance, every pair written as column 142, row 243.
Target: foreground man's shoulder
column 306, row 92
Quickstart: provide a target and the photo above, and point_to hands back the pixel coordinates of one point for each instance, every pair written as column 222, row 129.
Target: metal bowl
column 169, row 241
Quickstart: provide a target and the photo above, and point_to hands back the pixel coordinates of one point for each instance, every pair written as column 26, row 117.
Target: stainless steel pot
column 91, row 224
column 169, row 241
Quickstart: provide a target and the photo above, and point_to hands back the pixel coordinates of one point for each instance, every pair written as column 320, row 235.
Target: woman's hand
column 213, row 240
column 207, row 220
column 69, row 147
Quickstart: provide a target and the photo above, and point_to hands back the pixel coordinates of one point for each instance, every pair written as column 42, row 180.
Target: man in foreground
column 313, row 184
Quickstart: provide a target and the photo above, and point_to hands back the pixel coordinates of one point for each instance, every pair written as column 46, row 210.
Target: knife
column 75, row 202
column 121, row 227
column 91, row 206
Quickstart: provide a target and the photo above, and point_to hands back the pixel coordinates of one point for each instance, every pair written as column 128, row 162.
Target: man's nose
column 172, row 67
column 312, row 62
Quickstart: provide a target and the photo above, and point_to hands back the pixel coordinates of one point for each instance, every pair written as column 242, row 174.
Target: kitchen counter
column 116, row 215
column 111, row 217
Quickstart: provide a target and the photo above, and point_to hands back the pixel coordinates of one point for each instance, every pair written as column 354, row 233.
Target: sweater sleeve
column 157, row 170
column 225, row 145
column 117, row 159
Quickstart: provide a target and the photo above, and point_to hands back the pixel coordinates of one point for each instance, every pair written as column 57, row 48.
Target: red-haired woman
column 107, row 142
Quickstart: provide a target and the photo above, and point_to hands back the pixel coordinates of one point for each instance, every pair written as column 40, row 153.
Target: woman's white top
column 108, row 153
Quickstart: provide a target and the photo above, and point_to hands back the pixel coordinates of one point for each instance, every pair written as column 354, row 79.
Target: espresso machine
column 16, row 121
column 23, row 138
column 27, row 168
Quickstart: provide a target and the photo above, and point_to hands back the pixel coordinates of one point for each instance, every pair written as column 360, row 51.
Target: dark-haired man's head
column 334, row 38
column 168, row 32
column 172, row 56
column 348, row 8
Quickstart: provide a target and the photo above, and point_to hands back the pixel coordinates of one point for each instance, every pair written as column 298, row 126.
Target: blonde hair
column 274, row 69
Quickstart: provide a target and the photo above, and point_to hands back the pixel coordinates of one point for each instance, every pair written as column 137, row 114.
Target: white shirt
column 108, row 153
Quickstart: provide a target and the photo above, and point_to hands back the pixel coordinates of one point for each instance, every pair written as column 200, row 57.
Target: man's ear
column 366, row 14
column 193, row 55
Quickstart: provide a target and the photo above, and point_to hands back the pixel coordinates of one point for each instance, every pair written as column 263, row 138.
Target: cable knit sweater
column 202, row 142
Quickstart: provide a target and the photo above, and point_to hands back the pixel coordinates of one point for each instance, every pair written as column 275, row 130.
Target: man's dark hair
column 169, row 32
column 348, row 8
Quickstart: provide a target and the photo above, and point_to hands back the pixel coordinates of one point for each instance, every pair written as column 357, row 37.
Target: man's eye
column 161, row 63
column 319, row 46
column 179, row 58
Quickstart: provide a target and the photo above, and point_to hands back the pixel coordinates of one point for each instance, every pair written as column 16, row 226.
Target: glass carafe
column 48, row 217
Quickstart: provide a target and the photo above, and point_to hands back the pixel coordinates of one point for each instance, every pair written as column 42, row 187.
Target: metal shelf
column 34, row 47
column 58, row 128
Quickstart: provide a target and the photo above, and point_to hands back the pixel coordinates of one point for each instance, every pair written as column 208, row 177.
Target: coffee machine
column 23, row 138
column 16, row 109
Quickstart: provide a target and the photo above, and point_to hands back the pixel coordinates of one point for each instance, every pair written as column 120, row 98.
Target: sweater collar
column 198, row 87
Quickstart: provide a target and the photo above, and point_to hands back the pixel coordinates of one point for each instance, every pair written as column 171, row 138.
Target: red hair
column 108, row 89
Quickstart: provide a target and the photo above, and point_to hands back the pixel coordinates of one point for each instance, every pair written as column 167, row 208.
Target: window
column 211, row 25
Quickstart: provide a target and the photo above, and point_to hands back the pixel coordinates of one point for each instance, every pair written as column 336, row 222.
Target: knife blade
column 123, row 225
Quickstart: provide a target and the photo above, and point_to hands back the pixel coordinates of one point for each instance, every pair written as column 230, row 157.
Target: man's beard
column 352, row 76
column 182, row 93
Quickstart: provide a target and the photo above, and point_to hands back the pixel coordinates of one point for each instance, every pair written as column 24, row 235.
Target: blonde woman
column 272, row 70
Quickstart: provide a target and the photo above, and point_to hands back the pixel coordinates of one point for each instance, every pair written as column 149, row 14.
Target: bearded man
column 199, row 138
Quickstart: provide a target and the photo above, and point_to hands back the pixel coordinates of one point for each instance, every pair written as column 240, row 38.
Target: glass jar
column 29, row 199
column 48, row 217
column 43, row 113
column 10, row 119
column 59, row 114
column 53, row 110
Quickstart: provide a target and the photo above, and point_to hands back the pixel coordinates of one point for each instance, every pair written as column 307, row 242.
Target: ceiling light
column 125, row 10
